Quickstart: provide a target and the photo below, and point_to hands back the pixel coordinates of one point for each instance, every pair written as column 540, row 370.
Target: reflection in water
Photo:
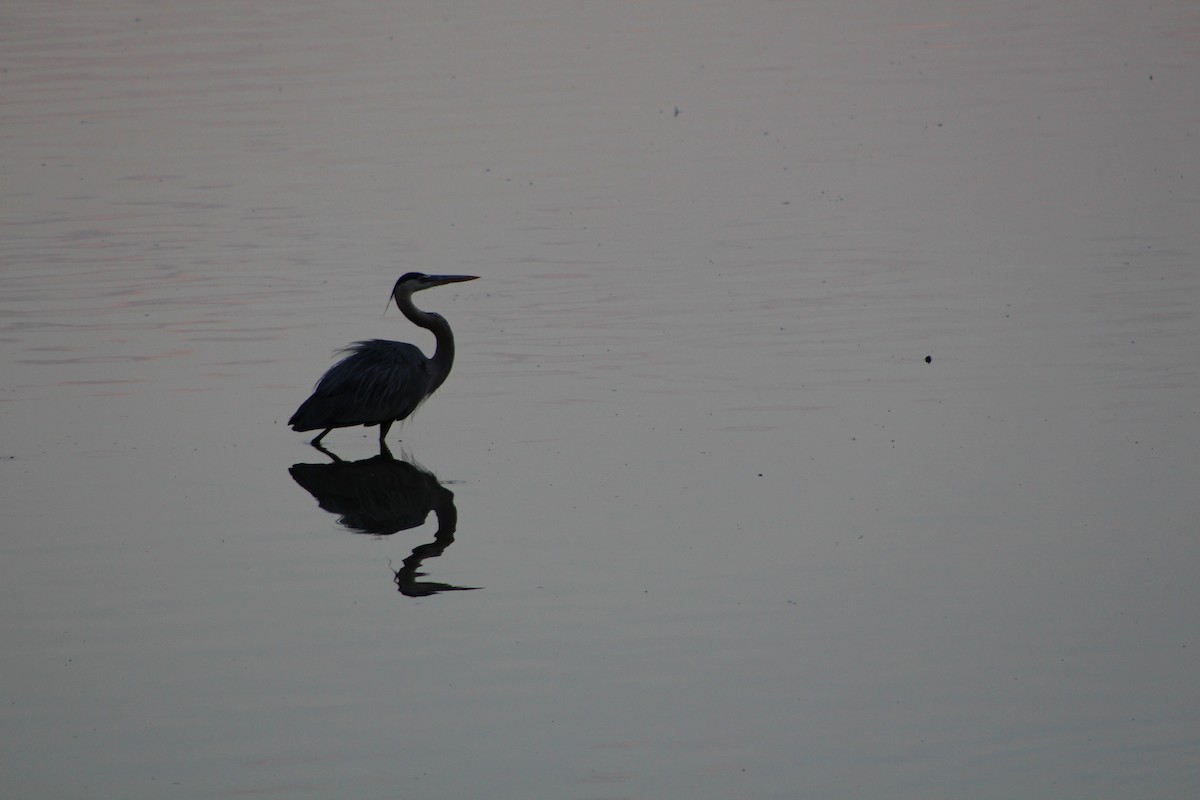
column 382, row 495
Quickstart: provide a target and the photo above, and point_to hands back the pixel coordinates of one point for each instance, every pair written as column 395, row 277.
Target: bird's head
column 417, row 281
column 411, row 282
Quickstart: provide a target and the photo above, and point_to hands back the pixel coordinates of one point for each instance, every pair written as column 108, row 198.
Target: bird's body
column 378, row 383
column 381, row 382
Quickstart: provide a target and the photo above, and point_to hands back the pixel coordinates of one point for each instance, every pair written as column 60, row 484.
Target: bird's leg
column 384, row 427
column 332, row 455
column 317, row 441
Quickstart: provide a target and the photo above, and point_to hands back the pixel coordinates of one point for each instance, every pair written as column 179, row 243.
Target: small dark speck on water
column 928, row 359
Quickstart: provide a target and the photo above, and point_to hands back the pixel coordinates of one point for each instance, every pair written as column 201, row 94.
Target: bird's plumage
column 380, row 381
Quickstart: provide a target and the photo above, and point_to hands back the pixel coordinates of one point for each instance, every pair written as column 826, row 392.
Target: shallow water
column 824, row 423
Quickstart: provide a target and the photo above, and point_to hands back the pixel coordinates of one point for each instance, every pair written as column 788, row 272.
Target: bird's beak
column 438, row 280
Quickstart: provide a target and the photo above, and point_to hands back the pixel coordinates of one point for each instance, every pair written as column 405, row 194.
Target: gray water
column 824, row 423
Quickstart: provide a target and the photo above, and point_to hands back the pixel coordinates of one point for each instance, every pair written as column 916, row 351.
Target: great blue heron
column 381, row 382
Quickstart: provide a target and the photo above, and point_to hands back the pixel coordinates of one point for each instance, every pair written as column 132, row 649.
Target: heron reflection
column 383, row 495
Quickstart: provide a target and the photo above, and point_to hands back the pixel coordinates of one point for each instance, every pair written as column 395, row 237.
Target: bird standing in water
column 382, row 382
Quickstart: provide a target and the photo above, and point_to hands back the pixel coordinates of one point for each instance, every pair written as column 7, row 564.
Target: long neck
column 443, row 354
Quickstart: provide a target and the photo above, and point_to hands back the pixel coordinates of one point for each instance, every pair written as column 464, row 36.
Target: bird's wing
column 379, row 380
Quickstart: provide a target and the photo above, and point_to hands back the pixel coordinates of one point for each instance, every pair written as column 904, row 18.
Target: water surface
column 824, row 423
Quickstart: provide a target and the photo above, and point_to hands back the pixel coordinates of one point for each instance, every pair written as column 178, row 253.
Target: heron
column 381, row 381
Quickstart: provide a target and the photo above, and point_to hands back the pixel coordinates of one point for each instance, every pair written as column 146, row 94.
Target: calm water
column 825, row 423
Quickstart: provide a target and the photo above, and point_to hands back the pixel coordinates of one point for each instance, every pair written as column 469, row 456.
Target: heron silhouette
column 381, row 381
